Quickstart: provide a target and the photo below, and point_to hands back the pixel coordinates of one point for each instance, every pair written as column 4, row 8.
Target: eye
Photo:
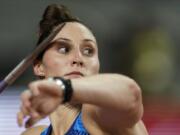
column 63, row 49
column 88, row 51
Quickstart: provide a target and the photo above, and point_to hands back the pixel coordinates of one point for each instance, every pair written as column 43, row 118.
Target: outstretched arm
column 116, row 99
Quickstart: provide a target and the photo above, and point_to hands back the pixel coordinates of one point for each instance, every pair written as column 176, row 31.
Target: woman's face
column 73, row 53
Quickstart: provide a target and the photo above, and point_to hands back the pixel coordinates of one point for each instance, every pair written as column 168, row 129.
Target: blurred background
column 138, row 38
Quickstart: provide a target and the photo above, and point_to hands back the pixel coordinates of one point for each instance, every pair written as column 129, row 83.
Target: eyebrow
column 65, row 39
column 89, row 40
column 68, row 40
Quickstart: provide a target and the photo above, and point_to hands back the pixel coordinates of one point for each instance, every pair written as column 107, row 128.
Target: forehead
column 75, row 31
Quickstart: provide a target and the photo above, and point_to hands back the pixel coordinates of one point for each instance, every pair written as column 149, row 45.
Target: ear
column 38, row 69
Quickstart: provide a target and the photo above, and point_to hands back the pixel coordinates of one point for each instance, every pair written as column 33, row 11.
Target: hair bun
column 53, row 15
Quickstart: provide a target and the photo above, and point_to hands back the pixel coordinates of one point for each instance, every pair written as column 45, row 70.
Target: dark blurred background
column 138, row 38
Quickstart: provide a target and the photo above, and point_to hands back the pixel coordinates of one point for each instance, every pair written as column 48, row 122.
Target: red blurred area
column 162, row 115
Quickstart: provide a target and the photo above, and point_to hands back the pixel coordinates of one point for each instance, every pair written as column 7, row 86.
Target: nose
column 77, row 60
column 78, row 63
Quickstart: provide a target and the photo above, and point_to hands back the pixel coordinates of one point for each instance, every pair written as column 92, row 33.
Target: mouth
column 74, row 74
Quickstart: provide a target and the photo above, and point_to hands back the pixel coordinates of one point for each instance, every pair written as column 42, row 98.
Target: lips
column 74, row 74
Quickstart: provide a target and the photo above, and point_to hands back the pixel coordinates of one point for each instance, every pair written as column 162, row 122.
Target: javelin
column 27, row 61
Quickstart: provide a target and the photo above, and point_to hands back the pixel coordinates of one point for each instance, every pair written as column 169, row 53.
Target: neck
column 63, row 118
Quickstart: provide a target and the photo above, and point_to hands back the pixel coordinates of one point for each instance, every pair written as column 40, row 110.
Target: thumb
column 32, row 120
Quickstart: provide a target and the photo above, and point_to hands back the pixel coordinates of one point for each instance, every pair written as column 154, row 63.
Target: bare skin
column 111, row 103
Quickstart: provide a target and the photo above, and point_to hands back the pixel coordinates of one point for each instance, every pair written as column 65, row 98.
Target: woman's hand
column 42, row 98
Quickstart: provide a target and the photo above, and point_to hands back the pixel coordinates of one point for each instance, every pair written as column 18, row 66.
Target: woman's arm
column 116, row 99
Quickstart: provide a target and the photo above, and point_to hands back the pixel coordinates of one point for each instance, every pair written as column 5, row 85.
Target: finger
column 24, row 113
column 32, row 120
column 25, row 98
column 34, row 88
column 25, row 110
column 20, row 117
column 34, row 113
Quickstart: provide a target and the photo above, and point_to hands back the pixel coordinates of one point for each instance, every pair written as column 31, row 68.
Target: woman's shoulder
column 34, row 130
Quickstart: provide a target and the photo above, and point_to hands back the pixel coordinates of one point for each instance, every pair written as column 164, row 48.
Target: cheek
column 54, row 66
column 94, row 66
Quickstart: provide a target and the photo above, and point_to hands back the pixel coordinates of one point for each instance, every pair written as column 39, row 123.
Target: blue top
column 77, row 128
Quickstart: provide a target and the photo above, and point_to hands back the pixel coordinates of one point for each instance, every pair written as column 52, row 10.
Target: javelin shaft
column 27, row 61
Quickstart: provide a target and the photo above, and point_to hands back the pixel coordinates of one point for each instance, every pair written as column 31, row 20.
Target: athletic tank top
column 77, row 128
